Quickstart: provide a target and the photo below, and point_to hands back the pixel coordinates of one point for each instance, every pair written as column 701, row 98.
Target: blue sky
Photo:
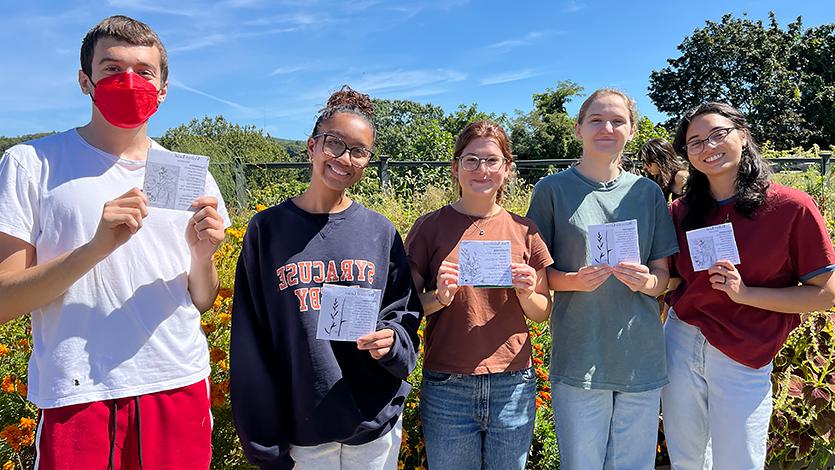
column 272, row 63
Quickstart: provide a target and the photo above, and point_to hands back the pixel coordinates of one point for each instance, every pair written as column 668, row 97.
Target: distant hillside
column 6, row 142
column 295, row 148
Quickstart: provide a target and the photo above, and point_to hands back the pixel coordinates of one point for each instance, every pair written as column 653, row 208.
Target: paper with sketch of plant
column 174, row 180
column 484, row 263
column 347, row 312
column 614, row 242
column 710, row 244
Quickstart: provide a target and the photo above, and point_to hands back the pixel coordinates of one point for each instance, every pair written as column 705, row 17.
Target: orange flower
column 13, row 436
column 208, row 328
column 8, row 385
column 218, row 302
column 538, row 402
column 22, row 389
column 217, row 354
column 259, row 207
column 545, row 396
column 4, row 350
column 218, row 397
column 23, row 343
column 541, row 374
column 28, row 424
column 224, row 292
column 223, row 365
column 9, row 465
column 538, row 361
column 224, row 318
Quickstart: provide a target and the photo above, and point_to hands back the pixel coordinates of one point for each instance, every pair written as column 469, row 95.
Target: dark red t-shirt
column 786, row 242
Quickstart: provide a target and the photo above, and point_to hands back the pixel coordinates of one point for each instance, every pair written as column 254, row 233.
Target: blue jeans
column 716, row 410
column 478, row 421
column 604, row 429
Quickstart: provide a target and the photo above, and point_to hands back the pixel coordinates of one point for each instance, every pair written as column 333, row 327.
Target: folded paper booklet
column 174, row 180
column 710, row 244
column 614, row 242
column 347, row 312
column 484, row 263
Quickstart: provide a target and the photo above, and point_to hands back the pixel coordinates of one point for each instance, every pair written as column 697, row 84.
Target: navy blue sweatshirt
column 287, row 387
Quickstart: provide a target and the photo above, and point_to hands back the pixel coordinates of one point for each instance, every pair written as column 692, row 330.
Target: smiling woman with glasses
column 478, row 349
column 727, row 323
column 307, row 403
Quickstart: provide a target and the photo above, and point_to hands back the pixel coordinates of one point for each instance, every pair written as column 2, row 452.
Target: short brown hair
column 125, row 29
column 486, row 130
column 630, row 105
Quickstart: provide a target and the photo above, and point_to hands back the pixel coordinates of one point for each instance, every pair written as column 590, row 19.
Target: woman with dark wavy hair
column 727, row 323
column 662, row 165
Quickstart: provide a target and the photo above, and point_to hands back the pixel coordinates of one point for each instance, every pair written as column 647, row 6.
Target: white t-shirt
column 128, row 327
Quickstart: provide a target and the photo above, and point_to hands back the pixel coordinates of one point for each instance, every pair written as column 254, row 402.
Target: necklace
column 480, row 230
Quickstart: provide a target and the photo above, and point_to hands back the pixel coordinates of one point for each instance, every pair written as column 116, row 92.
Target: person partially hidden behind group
column 662, row 165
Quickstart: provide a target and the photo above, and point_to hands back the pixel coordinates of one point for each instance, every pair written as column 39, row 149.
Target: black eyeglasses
column 335, row 147
column 472, row 162
column 715, row 138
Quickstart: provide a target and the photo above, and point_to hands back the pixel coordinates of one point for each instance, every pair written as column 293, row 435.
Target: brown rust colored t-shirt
column 483, row 330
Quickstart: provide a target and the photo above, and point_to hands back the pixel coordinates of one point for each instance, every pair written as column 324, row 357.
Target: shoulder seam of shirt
column 16, row 158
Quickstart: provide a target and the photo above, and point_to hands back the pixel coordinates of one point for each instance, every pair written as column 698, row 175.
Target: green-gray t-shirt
column 610, row 338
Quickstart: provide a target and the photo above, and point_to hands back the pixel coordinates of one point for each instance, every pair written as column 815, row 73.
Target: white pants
column 716, row 410
column 379, row 454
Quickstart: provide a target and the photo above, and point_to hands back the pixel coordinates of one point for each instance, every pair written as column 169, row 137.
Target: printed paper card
column 347, row 313
column 484, row 263
column 614, row 242
column 174, row 180
column 710, row 244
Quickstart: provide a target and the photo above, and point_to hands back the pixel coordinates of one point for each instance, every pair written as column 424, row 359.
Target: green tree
column 782, row 80
column 456, row 121
column 547, row 131
column 646, row 131
column 400, row 123
column 230, row 146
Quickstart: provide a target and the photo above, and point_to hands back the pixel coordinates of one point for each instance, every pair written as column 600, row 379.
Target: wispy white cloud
column 151, row 7
column 221, row 38
column 287, row 70
column 404, row 80
column 512, row 43
column 200, row 43
column 178, row 84
column 300, row 19
column 507, row 77
column 572, row 6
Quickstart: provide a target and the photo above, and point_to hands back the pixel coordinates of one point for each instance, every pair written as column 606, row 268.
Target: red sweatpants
column 173, row 429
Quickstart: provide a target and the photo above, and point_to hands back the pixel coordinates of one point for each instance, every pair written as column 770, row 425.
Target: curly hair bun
column 347, row 97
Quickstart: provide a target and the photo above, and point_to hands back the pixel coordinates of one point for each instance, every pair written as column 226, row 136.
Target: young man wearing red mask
column 115, row 287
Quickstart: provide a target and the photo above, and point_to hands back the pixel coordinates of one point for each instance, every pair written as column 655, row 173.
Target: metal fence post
column 825, row 157
column 240, row 182
column 384, row 171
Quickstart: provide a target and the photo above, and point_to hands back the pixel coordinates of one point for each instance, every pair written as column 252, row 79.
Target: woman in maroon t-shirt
column 728, row 322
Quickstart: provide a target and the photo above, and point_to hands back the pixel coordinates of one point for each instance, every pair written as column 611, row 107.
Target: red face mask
column 126, row 99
